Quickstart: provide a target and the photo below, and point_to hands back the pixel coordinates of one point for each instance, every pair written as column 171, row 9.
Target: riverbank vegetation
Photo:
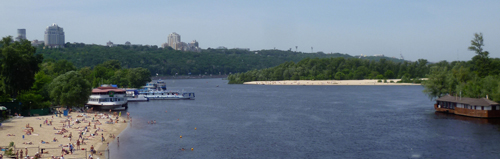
column 477, row 78
column 339, row 68
column 37, row 83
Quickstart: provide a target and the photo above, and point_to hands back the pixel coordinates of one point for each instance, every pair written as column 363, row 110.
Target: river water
column 257, row 121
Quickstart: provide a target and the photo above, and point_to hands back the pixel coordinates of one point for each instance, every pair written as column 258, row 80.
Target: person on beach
column 54, row 140
column 17, row 152
column 92, row 147
column 26, row 151
column 78, row 144
column 21, row 153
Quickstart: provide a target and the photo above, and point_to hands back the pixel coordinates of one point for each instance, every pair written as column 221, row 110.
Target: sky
column 423, row 29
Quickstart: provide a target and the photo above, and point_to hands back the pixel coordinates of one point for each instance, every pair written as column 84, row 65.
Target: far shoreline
column 334, row 82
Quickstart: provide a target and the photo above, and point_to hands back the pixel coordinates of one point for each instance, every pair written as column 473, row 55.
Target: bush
column 379, row 81
column 392, row 81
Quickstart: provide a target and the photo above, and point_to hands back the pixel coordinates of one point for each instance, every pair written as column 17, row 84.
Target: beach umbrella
column 3, row 108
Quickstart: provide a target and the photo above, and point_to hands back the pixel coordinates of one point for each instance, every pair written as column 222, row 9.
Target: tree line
column 476, row 78
column 37, row 83
column 339, row 68
column 171, row 62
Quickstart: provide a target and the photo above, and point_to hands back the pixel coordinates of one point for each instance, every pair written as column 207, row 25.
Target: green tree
column 435, row 86
column 32, row 100
column 138, row 77
column 19, row 65
column 481, row 60
column 41, row 85
column 389, row 74
column 63, row 66
column 70, row 89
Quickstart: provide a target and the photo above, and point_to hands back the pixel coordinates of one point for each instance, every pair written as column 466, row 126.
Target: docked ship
column 134, row 96
column 473, row 107
column 108, row 97
column 158, row 91
column 159, row 95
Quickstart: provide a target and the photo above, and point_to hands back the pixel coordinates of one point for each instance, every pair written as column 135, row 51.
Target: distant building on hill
column 36, row 42
column 54, row 36
column 193, row 46
column 21, row 34
column 164, row 45
column 173, row 39
column 127, row 43
column 110, row 44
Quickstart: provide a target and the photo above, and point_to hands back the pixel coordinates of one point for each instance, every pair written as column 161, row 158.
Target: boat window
column 493, row 107
column 482, row 107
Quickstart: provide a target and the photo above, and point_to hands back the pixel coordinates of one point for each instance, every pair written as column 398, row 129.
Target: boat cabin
column 473, row 107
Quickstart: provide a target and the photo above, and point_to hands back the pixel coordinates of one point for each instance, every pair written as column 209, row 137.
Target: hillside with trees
column 170, row 62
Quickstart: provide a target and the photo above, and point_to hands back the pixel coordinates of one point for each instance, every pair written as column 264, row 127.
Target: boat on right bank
column 472, row 107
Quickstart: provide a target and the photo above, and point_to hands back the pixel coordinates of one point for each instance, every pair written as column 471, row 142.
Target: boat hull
column 138, row 99
column 470, row 112
column 170, row 98
column 106, row 107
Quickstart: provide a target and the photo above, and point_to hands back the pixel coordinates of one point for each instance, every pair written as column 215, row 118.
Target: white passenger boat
column 134, row 96
column 108, row 97
column 158, row 95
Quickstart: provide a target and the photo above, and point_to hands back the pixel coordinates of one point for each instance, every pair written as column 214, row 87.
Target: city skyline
column 430, row 30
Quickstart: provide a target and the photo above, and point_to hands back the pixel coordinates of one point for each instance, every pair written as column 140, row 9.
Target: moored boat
column 108, row 97
column 134, row 96
column 158, row 95
column 473, row 107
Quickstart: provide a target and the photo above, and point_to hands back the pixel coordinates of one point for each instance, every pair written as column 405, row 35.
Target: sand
column 16, row 126
column 331, row 82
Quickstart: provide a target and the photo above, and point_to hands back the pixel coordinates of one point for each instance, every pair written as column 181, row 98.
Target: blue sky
column 432, row 30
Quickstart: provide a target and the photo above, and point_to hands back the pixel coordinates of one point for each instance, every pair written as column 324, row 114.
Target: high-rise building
column 21, row 34
column 54, row 36
column 173, row 39
column 194, row 43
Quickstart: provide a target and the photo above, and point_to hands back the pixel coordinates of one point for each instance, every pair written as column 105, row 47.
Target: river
column 264, row 121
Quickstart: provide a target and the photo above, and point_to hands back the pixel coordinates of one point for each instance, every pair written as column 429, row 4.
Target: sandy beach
column 331, row 82
column 78, row 122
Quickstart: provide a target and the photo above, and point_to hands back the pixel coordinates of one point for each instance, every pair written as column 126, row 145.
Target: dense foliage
column 24, row 78
column 18, row 65
column 339, row 68
column 170, row 62
column 477, row 78
column 70, row 89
